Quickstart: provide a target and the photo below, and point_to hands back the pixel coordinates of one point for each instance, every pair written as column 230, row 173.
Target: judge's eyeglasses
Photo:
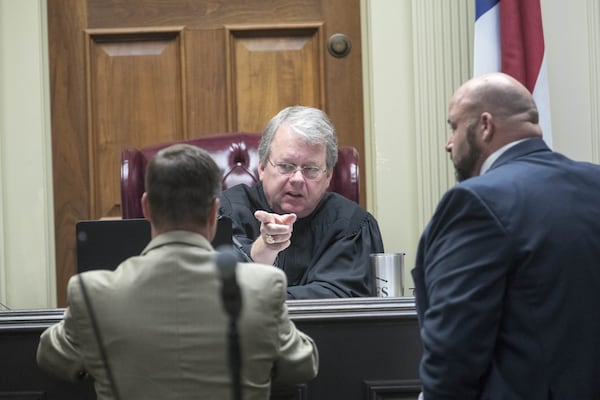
column 309, row 172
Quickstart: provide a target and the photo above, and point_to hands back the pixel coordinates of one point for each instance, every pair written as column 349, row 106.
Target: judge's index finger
column 288, row 219
column 264, row 217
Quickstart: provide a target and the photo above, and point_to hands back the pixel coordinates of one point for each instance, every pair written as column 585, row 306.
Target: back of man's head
column 508, row 101
column 182, row 182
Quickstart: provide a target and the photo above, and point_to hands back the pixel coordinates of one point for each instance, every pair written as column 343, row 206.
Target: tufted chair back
column 236, row 154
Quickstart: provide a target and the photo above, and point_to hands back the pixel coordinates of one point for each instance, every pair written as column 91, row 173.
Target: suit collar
column 521, row 149
column 178, row 237
column 496, row 155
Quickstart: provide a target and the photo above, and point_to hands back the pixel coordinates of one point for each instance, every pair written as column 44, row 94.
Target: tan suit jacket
column 165, row 330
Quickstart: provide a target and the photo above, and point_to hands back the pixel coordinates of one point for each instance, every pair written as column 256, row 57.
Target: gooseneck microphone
column 231, row 296
column 230, row 291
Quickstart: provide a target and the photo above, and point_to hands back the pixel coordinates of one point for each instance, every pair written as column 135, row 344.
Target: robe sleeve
column 343, row 268
column 336, row 263
column 239, row 204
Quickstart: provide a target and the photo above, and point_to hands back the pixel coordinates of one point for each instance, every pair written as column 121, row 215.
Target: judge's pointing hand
column 275, row 235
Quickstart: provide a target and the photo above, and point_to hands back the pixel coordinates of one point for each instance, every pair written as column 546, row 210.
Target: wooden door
column 140, row 72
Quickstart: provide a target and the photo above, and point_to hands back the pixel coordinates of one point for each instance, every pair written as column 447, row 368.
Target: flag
column 509, row 38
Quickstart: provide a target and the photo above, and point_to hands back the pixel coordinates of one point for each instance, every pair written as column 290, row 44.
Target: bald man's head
column 501, row 95
column 484, row 114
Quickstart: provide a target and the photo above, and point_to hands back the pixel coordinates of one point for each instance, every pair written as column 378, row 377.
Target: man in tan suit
column 160, row 316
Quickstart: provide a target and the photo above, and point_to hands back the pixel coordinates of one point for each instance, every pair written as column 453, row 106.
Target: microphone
column 240, row 248
column 230, row 291
column 231, row 296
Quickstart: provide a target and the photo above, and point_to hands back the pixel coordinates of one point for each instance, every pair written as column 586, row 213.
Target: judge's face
column 293, row 192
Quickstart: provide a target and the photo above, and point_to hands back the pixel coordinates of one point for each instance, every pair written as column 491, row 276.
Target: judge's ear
column 261, row 170
column 145, row 206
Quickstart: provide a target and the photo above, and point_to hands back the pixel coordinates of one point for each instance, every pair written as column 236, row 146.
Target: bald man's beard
column 465, row 167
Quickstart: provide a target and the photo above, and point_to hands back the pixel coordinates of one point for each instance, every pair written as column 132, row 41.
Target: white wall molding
column 27, row 265
column 593, row 21
column 443, row 37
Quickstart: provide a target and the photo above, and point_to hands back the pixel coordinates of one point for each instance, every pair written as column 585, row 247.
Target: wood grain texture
column 141, row 72
column 270, row 68
column 134, row 98
column 196, row 14
column 69, row 127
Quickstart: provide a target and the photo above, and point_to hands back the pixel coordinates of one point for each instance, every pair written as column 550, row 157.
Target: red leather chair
column 236, row 154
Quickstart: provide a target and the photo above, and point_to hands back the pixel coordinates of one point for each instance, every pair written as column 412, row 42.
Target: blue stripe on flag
column 483, row 6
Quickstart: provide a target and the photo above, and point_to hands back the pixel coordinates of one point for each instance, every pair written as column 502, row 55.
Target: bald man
column 507, row 274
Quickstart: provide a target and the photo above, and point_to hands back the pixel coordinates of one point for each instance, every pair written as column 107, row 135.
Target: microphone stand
column 232, row 302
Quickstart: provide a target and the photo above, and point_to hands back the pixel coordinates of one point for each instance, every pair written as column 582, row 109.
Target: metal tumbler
column 388, row 272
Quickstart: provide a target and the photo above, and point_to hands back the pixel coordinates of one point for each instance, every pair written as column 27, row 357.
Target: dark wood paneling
column 198, row 14
column 368, row 348
column 22, row 396
column 347, row 116
column 206, row 91
column 135, row 97
column 270, row 68
column 392, row 390
column 66, row 42
column 139, row 72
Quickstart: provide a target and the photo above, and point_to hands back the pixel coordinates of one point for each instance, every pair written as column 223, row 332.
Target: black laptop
column 105, row 243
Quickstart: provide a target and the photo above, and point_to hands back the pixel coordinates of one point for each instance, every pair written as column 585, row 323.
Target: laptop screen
column 104, row 244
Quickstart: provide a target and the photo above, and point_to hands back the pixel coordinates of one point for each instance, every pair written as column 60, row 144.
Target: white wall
column 27, row 277
column 572, row 37
column 390, row 120
column 411, row 48
column 416, row 52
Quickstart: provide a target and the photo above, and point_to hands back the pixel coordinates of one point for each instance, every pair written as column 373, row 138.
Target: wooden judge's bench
column 369, row 349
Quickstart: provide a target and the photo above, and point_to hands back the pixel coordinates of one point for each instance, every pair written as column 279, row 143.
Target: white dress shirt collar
column 495, row 155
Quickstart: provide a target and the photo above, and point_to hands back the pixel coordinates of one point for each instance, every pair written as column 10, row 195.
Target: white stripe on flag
column 487, row 56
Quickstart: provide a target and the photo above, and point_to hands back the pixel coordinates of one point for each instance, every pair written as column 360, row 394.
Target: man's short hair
column 181, row 183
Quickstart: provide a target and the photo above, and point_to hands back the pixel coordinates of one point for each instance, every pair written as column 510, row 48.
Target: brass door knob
column 339, row 45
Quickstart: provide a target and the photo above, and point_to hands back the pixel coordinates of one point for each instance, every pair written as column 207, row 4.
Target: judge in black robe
column 321, row 240
column 329, row 251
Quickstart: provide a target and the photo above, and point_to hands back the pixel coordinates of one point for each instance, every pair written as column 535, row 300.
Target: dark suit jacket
column 507, row 282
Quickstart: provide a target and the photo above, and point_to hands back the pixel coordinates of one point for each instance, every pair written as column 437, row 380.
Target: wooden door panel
column 270, row 68
column 343, row 82
column 139, row 72
column 135, row 98
column 205, row 89
column 204, row 14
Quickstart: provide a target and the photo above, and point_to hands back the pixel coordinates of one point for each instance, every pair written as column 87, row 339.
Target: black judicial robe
column 329, row 252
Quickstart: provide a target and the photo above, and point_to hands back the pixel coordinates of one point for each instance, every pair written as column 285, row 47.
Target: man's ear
column 211, row 229
column 486, row 124
column 145, row 206
column 214, row 212
column 261, row 170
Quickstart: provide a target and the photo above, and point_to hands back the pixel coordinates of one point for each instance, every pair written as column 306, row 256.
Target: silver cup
column 387, row 272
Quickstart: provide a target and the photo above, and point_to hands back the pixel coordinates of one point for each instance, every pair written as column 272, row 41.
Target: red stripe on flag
column 522, row 40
